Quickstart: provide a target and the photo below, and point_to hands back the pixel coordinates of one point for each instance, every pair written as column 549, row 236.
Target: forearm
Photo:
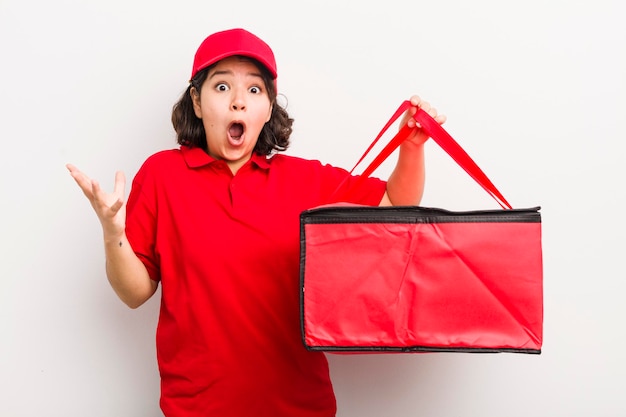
column 405, row 185
column 126, row 273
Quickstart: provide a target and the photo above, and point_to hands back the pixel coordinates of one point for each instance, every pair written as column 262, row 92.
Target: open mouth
column 235, row 133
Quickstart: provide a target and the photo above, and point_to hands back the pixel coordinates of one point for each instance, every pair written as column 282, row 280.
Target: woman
column 216, row 222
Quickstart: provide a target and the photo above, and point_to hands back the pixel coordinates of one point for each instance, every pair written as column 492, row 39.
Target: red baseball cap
column 232, row 42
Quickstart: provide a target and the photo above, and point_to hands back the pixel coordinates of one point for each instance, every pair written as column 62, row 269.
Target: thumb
column 120, row 183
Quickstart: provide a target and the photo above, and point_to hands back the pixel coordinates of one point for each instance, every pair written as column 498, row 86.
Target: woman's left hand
column 418, row 136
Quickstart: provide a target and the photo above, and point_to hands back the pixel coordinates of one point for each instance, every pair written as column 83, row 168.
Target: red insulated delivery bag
column 418, row 279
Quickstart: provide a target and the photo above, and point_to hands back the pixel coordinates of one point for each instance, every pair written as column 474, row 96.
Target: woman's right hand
column 109, row 207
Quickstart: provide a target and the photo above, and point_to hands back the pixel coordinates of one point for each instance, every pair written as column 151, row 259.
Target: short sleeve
column 342, row 187
column 141, row 219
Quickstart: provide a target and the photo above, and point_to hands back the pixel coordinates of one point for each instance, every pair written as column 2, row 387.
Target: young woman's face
column 233, row 105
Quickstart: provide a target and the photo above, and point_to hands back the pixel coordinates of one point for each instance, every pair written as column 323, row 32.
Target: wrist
column 114, row 238
column 411, row 146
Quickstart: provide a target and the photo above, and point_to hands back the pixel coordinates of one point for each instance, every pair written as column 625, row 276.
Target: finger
column 74, row 171
column 441, row 119
column 415, row 101
column 120, row 183
column 82, row 180
column 116, row 206
column 410, row 120
column 99, row 196
column 424, row 105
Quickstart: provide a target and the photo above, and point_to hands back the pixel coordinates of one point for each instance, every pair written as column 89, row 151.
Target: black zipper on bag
column 416, row 214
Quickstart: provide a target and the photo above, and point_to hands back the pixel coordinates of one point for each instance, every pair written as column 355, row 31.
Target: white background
column 534, row 91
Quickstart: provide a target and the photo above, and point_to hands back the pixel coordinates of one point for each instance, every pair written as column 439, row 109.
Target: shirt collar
column 196, row 157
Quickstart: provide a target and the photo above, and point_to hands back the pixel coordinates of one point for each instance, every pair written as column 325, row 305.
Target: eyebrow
column 228, row 72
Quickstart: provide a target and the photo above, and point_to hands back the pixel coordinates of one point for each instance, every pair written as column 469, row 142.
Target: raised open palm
column 109, row 207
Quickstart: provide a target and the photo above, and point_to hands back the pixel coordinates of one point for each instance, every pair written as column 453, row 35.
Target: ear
column 195, row 99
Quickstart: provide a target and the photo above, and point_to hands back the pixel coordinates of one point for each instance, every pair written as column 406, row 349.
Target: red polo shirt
column 226, row 251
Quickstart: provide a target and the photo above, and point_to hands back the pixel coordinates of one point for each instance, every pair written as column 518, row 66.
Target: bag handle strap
column 442, row 138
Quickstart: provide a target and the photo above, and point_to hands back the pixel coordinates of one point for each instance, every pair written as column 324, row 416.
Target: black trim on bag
column 417, row 349
column 415, row 214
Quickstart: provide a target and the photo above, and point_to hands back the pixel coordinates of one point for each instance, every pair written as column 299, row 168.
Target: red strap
column 442, row 138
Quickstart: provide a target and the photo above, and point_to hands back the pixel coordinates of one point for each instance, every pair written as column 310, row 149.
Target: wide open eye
column 222, row 87
column 255, row 90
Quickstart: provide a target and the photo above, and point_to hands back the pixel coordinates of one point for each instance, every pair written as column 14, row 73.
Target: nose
column 238, row 102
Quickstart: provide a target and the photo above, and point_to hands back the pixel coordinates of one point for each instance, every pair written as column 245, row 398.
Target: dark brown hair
column 190, row 132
